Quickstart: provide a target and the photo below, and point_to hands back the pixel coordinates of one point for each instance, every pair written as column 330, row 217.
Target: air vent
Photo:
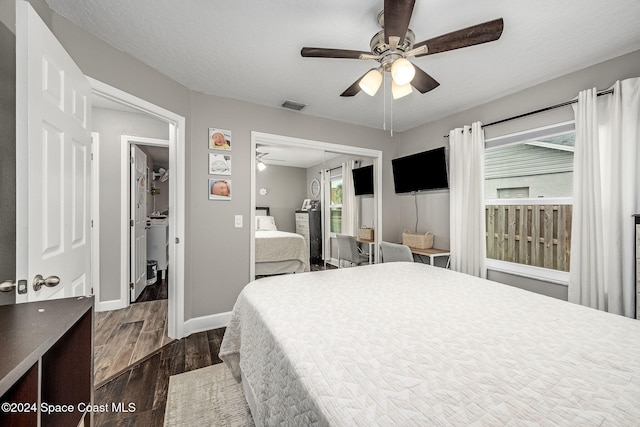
column 293, row 105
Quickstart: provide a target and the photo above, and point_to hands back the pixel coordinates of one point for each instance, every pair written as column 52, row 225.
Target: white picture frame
column 219, row 189
column 219, row 164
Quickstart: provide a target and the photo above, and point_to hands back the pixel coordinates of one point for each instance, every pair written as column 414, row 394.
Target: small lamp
column 402, row 71
column 371, row 82
column 399, row 91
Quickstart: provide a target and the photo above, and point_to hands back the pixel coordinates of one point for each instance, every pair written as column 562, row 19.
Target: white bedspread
column 410, row 344
column 281, row 246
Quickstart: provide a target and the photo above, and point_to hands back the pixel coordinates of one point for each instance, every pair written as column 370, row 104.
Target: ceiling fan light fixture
column 402, row 71
column 399, row 91
column 371, row 82
column 261, row 166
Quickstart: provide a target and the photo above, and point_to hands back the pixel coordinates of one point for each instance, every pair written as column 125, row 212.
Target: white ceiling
column 250, row 49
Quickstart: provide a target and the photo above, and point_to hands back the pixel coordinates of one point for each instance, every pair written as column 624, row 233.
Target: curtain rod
column 542, row 110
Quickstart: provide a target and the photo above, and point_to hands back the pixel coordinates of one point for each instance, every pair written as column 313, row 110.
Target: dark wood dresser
column 309, row 226
column 46, row 362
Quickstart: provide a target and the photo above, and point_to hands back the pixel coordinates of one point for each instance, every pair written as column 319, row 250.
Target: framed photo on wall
column 219, row 139
column 219, row 164
column 219, row 189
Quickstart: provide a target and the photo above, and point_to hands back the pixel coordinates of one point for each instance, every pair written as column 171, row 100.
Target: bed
column 412, row 344
column 277, row 252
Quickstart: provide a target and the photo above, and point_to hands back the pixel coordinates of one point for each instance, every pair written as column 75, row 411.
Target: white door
column 53, row 145
column 138, row 217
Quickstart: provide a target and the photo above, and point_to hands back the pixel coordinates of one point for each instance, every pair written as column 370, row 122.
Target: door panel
column 53, row 162
column 139, row 217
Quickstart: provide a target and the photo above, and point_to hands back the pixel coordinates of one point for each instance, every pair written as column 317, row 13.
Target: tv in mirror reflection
column 421, row 172
column 363, row 180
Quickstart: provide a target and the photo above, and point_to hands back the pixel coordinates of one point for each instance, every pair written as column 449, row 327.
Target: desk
column 431, row 253
column 371, row 244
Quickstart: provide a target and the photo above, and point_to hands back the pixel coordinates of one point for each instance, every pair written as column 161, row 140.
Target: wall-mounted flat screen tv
column 421, row 172
column 363, row 180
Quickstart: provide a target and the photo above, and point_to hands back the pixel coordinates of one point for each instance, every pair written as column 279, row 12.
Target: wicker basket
column 418, row 241
column 365, row 233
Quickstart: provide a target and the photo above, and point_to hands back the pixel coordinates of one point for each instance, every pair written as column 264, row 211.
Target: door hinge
column 131, row 223
column 131, row 285
column 91, row 291
column 91, row 223
column 177, row 240
column 91, row 156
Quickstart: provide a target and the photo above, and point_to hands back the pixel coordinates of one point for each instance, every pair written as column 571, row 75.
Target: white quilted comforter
column 275, row 245
column 410, row 344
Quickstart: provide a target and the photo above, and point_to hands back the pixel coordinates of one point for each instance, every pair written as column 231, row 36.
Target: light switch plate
column 238, row 221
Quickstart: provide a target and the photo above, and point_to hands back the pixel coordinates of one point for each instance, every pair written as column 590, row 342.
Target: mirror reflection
column 315, row 209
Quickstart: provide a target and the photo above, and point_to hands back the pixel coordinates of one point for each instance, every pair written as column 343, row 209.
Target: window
column 528, row 189
column 335, row 205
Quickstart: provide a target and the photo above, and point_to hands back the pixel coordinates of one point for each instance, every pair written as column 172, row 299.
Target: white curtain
column 350, row 204
column 325, row 201
column 606, row 186
column 466, row 200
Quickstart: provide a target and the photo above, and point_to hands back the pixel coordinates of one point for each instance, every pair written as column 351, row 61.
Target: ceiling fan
column 391, row 46
column 260, row 162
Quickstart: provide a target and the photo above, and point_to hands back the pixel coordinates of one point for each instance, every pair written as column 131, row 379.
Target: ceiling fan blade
column 470, row 36
column 397, row 14
column 423, row 81
column 318, row 52
column 355, row 87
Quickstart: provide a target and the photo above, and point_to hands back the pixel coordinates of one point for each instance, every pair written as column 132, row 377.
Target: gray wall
column 7, row 160
column 286, row 189
column 111, row 125
column 218, row 261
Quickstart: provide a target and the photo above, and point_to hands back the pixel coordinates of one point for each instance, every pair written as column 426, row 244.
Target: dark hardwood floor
column 320, row 267
column 146, row 384
column 159, row 290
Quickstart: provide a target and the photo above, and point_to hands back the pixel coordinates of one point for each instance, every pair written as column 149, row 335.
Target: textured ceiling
column 250, row 49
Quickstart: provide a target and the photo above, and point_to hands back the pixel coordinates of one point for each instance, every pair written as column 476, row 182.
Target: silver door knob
column 7, row 286
column 49, row 282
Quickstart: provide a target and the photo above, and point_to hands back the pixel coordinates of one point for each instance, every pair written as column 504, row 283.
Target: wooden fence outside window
column 538, row 235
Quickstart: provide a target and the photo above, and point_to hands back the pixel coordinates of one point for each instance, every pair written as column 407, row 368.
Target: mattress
column 276, row 250
column 412, row 344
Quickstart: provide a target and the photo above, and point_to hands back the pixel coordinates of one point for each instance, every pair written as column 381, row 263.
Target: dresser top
column 29, row 330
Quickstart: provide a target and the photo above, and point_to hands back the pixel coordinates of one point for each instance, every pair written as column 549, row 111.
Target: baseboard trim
column 205, row 323
column 115, row 304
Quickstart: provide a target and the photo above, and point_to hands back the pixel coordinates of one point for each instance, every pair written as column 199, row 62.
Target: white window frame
column 332, row 206
column 533, row 272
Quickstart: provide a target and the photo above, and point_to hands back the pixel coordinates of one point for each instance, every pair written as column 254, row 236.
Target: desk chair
column 394, row 252
column 348, row 250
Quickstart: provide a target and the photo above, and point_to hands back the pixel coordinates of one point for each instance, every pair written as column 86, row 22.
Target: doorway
column 149, row 214
column 176, row 223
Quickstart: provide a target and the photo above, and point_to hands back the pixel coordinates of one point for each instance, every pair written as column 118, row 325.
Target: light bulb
column 402, row 71
column 399, row 91
column 261, row 166
column 371, row 82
